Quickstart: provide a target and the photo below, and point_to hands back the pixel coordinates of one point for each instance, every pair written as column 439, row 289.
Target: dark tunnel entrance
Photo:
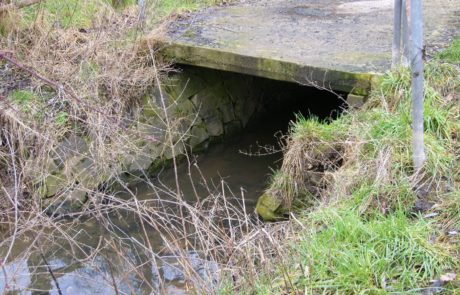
column 283, row 101
column 244, row 159
column 251, row 100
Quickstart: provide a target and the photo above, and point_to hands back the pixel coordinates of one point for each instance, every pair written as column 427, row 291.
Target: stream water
column 237, row 162
column 77, row 268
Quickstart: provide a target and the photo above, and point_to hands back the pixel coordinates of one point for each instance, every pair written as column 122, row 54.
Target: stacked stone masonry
column 203, row 106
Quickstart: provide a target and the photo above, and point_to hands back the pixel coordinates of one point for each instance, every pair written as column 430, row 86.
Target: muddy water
column 243, row 163
column 107, row 255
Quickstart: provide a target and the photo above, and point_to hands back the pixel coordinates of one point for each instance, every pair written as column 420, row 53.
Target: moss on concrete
column 272, row 68
column 268, row 207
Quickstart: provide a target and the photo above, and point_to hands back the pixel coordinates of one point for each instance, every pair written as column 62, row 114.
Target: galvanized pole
column 406, row 32
column 417, row 66
column 396, row 48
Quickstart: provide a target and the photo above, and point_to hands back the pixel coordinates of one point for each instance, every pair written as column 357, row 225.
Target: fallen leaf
column 431, row 215
column 452, row 233
column 448, row 277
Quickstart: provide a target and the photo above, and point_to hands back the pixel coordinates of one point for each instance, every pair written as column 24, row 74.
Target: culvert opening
column 227, row 103
column 245, row 118
column 282, row 101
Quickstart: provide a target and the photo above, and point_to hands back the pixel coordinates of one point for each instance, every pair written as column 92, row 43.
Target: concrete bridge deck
column 338, row 44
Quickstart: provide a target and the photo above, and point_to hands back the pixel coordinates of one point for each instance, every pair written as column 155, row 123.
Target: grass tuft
column 372, row 145
column 386, row 254
column 351, row 184
column 452, row 53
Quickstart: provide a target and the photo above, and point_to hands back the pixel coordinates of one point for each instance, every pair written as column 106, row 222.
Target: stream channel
column 240, row 162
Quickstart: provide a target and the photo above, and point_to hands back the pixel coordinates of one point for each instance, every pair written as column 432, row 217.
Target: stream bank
column 193, row 110
column 232, row 168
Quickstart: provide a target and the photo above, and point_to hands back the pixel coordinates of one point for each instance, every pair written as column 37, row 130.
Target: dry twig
column 18, row 5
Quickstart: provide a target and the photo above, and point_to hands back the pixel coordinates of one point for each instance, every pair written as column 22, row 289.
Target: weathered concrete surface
column 340, row 44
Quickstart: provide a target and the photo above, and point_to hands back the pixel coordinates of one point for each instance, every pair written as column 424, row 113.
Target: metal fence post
column 406, row 32
column 417, row 67
column 396, row 48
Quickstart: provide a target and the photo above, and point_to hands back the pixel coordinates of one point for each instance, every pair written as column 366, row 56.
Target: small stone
column 207, row 102
column 143, row 159
column 452, row 233
column 226, row 108
column 51, row 166
column 87, row 174
column 70, row 147
column 185, row 85
column 198, row 135
column 172, row 268
column 214, row 126
column 53, row 184
column 150, row 109
column 183, row 107
column 76, row 199
column 153, row 134
column 448, row 277
column 244, row 109
column 422, row 205
column 431, row 215
column 355, row 101
column 178, row 150
column 68, row 202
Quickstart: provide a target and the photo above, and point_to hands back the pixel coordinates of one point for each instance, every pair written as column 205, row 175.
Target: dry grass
column 58, row 82
column 83, row 82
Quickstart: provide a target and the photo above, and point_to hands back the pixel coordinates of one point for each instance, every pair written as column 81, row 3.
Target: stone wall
column 203, row 106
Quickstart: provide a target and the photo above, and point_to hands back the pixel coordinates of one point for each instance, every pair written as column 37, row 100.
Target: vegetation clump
column 330, row 160
column 368, row 222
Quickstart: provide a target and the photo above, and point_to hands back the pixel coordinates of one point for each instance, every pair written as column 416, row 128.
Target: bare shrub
column 69, row 82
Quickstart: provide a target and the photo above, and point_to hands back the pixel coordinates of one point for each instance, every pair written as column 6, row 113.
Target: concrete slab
column 338, row 44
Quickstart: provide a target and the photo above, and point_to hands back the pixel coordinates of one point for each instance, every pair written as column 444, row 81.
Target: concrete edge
column 357, row 83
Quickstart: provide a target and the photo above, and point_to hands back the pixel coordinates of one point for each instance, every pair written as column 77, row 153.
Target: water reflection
column 105, row 272
column 103, row 276
column 89, row 265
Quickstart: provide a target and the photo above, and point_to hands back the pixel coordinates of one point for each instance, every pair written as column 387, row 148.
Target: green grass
column 364, row 237
column 62, row 118
column 81, row 13
column 22, row 97
column 384, row 124
column 384, row 254
column 340, row 251
column 452, row 53
column 168, row 6
column 66, row 14
column 29, row 103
